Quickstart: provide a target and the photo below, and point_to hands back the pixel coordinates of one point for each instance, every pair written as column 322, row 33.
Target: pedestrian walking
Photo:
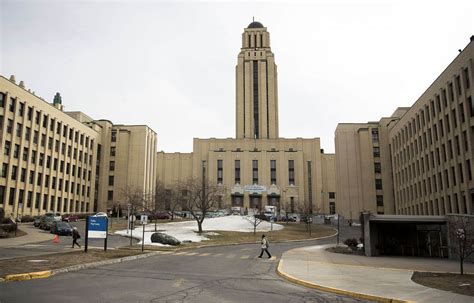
column 75, row 237
column 265, row 246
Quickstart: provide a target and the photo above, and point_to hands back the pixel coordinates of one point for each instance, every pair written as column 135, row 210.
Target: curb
column 335, row 290
column 28, row 276
column 52, row 272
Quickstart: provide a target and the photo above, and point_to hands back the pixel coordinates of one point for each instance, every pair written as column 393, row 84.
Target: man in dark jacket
column 75, row 237
column 265, row 247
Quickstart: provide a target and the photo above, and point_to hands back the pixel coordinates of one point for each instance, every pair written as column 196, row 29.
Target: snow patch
column 187, row 231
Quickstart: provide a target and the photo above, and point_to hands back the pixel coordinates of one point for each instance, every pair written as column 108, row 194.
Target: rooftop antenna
column 253, row 19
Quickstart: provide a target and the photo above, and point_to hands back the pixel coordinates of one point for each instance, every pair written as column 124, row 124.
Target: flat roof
column 407, row 219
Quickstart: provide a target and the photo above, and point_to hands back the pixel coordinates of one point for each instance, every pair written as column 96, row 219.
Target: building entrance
column 256, row 202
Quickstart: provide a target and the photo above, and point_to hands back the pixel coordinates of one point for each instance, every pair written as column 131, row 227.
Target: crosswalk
column 208, row 254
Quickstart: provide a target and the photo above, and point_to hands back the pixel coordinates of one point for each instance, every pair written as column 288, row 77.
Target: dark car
column 162, row 216
column 61, row 228
column 70, row 218
column 36, row 221
column 46, row 222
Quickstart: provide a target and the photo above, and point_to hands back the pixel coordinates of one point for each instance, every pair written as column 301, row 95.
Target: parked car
column 55, row 216
column 61, row 228
column 70, row 218
column 101, row 214
column 162, row 216
column 36, row 221
column 46, row 222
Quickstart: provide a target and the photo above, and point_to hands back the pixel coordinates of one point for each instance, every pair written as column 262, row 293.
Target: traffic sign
column 144, row 219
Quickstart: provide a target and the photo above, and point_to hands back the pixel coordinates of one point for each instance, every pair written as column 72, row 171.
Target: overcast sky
column 171, row 66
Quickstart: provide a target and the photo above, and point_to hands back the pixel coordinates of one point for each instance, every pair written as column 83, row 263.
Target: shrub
column 27, row 218
column 7, row 225
column 352, row 243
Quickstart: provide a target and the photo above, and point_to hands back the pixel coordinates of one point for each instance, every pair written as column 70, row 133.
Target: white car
column 101, row 214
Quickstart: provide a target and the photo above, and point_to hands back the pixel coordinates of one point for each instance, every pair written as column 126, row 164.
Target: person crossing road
column 265, row 246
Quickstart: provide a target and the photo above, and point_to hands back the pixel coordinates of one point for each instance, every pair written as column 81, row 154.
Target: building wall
column 432, row 145
column 328, row 193
column 128, row 163
column 55, row 163
column 172, row 168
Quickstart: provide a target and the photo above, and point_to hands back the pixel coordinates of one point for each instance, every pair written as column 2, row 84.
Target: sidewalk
column 33, row 235
column 367, row 277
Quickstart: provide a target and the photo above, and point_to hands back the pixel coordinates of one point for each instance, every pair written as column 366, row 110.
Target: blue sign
column 97, row 227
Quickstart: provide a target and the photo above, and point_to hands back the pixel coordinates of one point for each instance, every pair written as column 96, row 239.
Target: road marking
column 204, row 254
column 165, row 252
column 218, row 255
column 245, row 257
column 181, row 253
column 230, row 256
column 191, row 254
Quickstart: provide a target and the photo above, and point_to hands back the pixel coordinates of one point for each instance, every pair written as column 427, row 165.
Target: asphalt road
column 64, row 245
column 218, row 274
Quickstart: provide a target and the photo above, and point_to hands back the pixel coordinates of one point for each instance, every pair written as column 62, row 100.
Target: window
column 11, row 199
column 112, row 151
column 467, row 83
column 237, row 171
column 14, row 172
column 32, row 177
column 30, row 113
column 35, row 137
column 220, row 172
column 2, row 104
column 379, row 200
column 376, row 151
column 255, row 171
column 38, row 118
column 378, row 184
column 19, row 128
column 273, row 178
column 332, row 208
column 114, row 136
column 16, row 151
column 23, row 175
column 110, row 195
column 111, row 180
column 112, row 165
column 7, row 148
column 375, row 135
column 51, row 125
column 27, row 133
column 291, row 172
column 4, row 172
column 377, row 168
column 11, row 105
column 9, row 126
column 332, row 195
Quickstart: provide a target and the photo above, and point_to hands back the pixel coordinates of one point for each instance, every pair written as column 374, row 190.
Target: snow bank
column 187, row 231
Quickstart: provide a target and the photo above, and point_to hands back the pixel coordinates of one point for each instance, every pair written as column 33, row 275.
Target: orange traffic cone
column 56, row 239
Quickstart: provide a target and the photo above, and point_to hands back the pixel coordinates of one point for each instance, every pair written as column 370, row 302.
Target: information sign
column 97, row 227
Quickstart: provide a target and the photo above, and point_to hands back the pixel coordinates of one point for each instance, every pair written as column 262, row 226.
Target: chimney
column 57, row 101
column 22, row 84
column 12, row 78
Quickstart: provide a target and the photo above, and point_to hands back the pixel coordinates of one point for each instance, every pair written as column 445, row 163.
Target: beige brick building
column 257, row 168
column 65, row 161
column 419, row 160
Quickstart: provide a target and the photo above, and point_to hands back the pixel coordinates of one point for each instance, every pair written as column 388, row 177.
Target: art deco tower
column 256, row 86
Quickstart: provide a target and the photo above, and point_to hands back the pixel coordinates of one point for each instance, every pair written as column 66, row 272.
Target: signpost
column 144, row 221
column 131, row 221
column 96, row 228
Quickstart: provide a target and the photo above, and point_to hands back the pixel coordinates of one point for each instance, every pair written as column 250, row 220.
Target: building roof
column 255, row 24
column 407, row 219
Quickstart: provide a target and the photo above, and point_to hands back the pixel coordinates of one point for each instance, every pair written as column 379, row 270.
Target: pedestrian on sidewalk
column 75, row 237
column 265, row 246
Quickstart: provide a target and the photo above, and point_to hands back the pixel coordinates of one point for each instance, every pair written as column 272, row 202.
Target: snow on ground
column 187, row 230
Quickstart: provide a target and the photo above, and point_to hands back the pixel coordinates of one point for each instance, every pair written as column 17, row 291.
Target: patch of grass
column 53, row 261
column 19, row 233
column 460, row 284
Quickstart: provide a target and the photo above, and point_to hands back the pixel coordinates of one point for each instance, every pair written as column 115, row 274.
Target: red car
column 70, row 218
column 162, row 216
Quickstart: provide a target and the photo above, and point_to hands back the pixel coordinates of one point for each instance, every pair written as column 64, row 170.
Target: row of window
column 445, row 205
column 273, row 168
column 54, row 125
column 433, row 111
column 430, row 185
column 31, row 198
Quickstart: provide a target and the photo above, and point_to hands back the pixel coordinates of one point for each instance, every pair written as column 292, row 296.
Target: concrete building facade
column 419, row 160
column 56, row 161
column 258, row 168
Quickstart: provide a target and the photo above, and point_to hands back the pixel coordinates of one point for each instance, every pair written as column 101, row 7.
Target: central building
column 258, row 168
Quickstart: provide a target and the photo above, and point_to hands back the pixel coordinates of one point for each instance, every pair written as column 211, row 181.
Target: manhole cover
column 37, row 261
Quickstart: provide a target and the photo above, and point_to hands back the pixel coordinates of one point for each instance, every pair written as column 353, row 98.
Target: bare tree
column 461, row 229
column 201, row 198
column 255, row 219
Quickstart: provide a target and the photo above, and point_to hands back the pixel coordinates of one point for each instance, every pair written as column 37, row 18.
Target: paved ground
column 39, row 242
column 388, row 277
column 218, row 274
